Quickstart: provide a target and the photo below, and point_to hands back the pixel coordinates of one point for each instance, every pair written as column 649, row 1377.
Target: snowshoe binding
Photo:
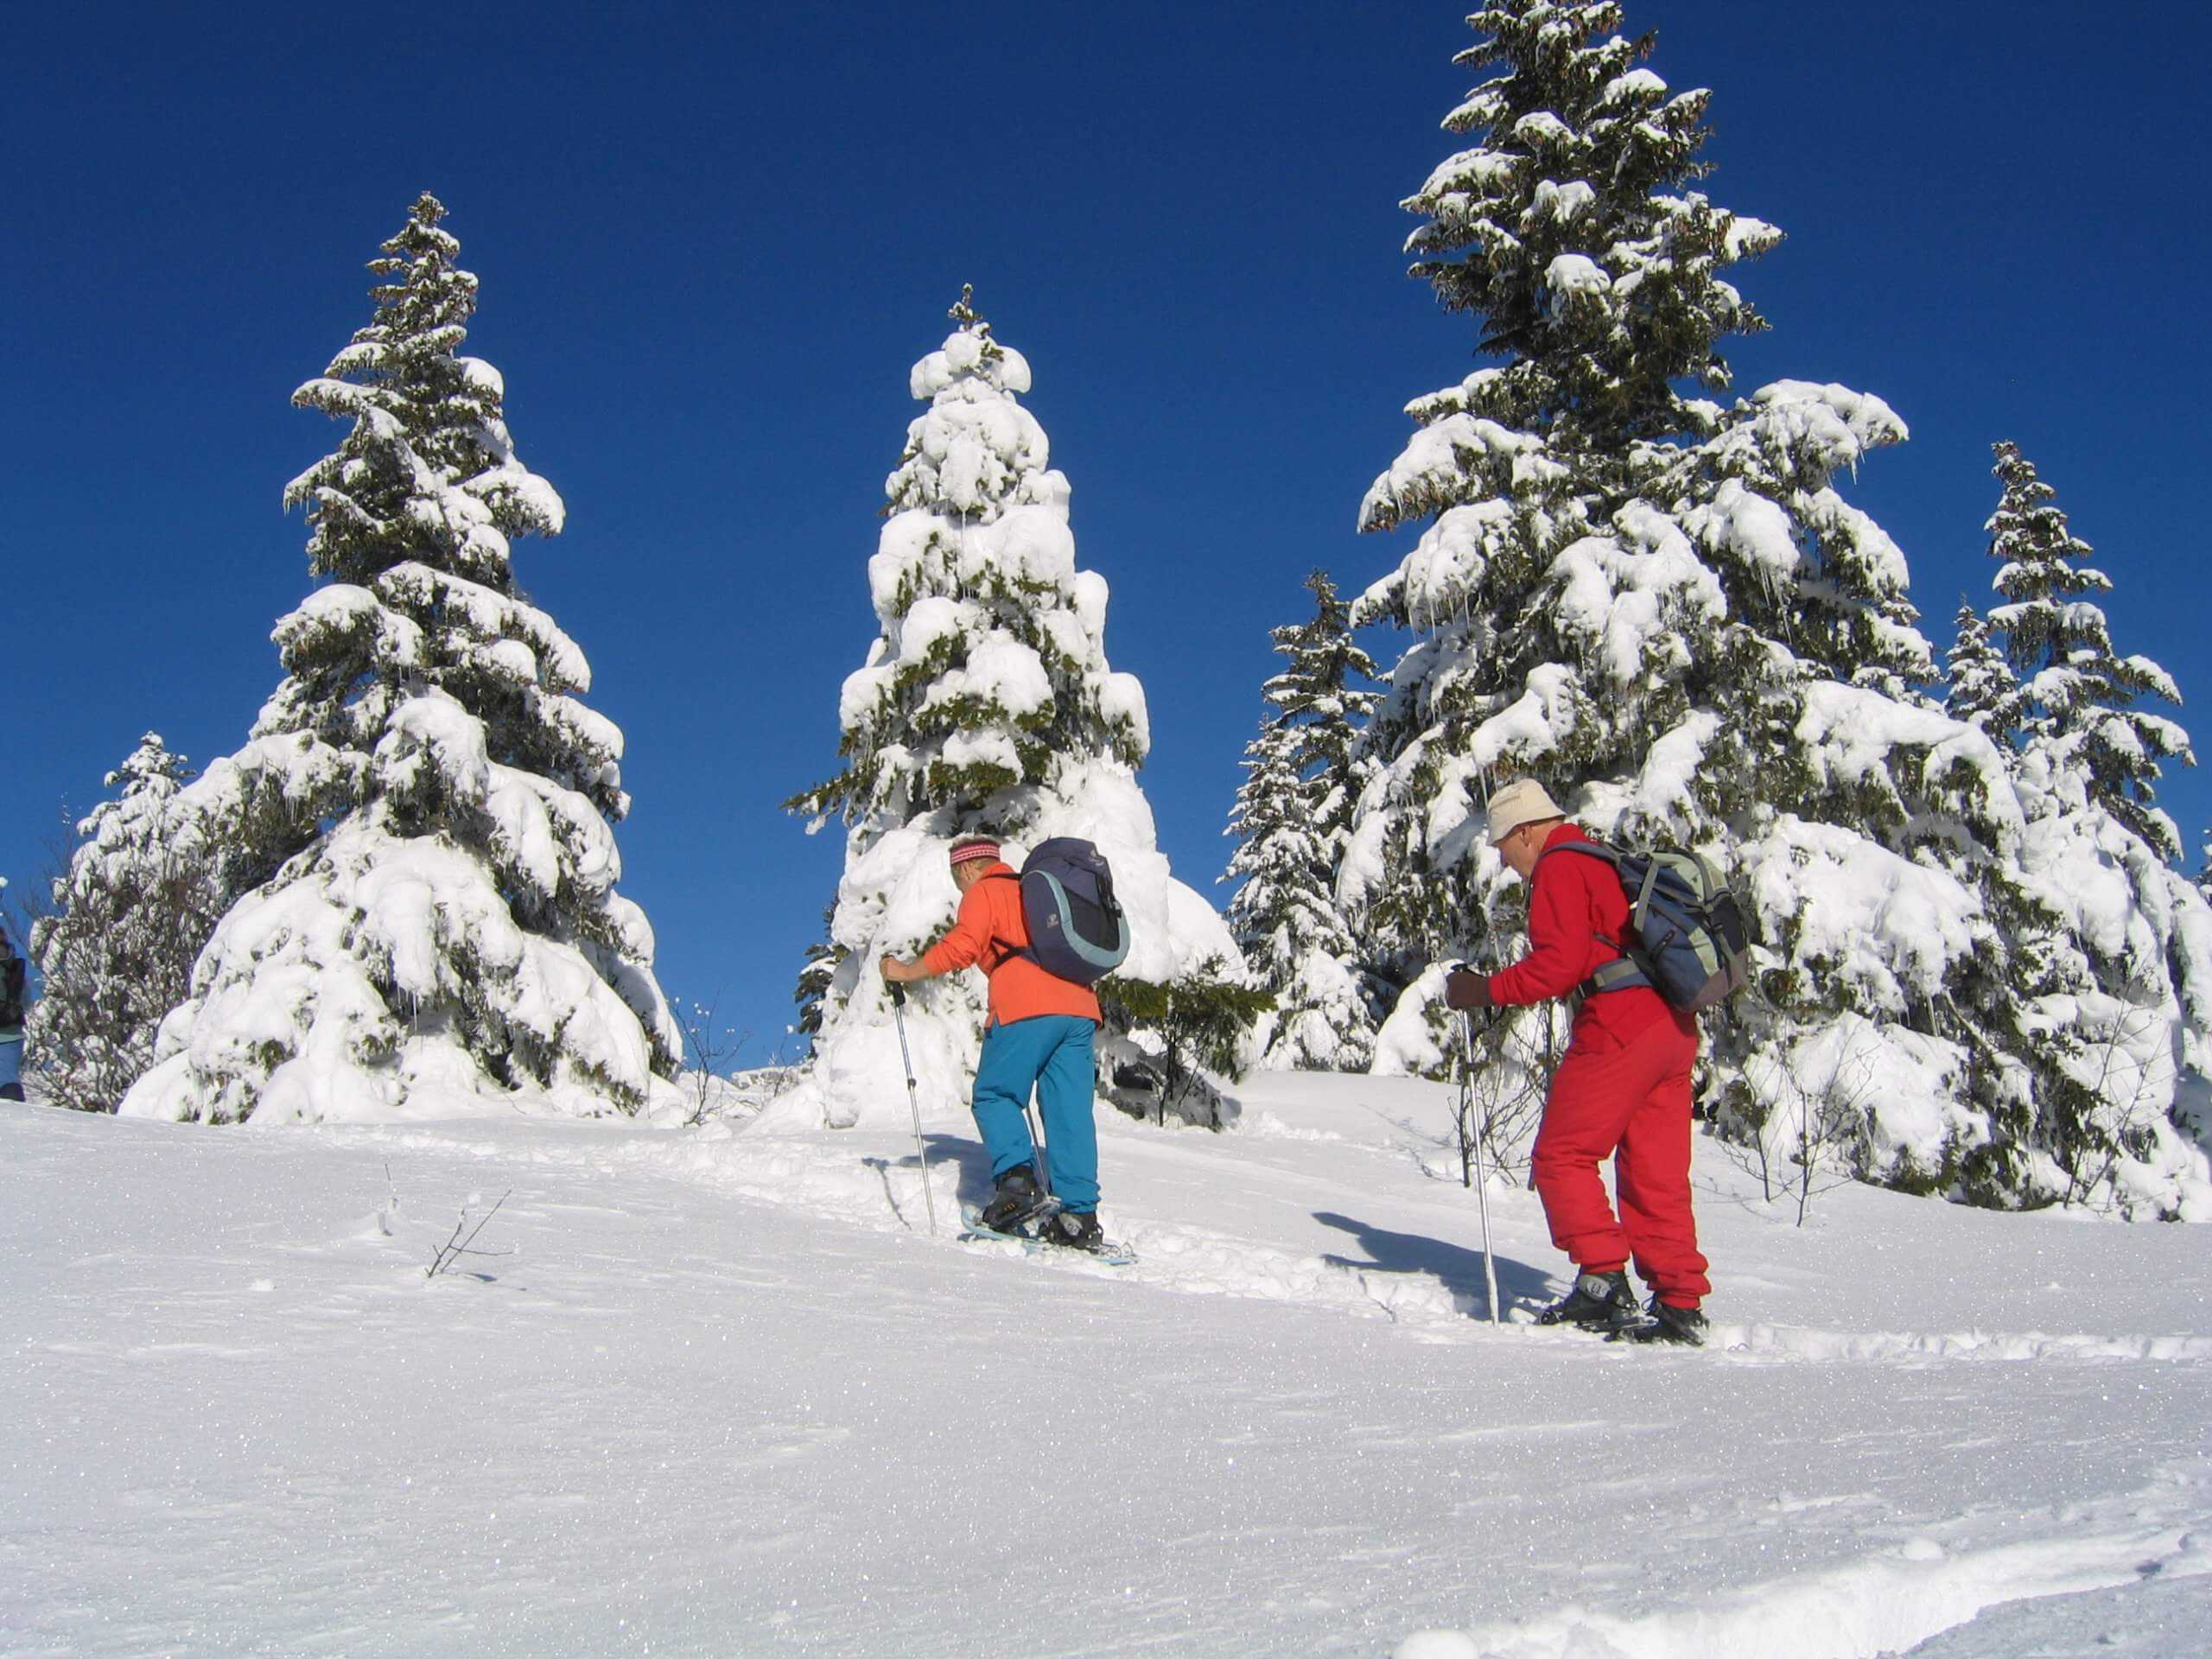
column 1068, row 1230
column 1599, row 1302
column 1018, row 1201
column 1684, row 1326
column 1073, row 1231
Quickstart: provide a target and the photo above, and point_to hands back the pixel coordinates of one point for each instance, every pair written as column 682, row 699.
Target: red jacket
column 1577, row 912
column 989, row 930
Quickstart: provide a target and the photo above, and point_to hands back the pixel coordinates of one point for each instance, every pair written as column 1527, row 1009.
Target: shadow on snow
column 1459, row 1270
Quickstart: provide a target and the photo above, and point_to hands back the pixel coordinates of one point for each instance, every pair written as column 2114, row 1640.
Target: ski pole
column 913, row 1101
column 1037, row 1135
column 1482, row 1183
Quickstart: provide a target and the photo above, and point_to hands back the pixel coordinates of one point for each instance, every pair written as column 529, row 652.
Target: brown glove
column 1466, row 989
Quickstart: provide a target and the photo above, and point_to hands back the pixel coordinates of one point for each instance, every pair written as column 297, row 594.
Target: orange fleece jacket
column 989, row 930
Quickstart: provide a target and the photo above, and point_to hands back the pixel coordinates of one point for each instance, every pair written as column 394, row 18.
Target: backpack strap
column 1593, row 848
column 1008, row 952
column 1620, row 975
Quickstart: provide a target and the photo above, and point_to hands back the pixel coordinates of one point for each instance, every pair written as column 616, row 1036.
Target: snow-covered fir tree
column 142, row 891
column 1658, row 602
column 986, row 704
column 1517, row 467
column 2079, row 696
column 2023, row 960
column 1292, row 816
column 2111, row 950
column 436, row 928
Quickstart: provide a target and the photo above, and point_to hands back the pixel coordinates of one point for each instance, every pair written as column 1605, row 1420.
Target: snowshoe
column 1018, row 1200
column 1049, row 1232
column 1685, row 1326
column 1599, row 1302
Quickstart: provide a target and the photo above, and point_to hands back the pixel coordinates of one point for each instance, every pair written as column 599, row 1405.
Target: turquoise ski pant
column 1052, row 1053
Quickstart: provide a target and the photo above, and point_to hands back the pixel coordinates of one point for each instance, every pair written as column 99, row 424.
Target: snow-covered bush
column 1176, row 1033
column 424, row 809
column 985, row 704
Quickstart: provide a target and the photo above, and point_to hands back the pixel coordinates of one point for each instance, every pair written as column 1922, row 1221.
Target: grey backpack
column 1687, row 938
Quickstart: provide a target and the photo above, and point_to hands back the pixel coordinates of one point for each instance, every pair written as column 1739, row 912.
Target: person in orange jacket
column 1041, row 1036
column 1621, row 1090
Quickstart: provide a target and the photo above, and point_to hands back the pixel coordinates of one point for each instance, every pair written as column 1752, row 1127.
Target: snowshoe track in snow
column 884, row 1195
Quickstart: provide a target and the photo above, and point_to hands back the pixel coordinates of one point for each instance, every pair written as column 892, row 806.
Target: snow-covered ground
column 722, row 1393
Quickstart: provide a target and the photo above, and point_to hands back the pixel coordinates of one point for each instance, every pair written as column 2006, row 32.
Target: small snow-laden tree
column 986, row 704
column 2036, row 1058
column 1981, row 688
column 144, row 888
column 1655, row 601
column 2116, row 1014
column 1292, row 816
column 2111, row 986
column 816, row 974
column 1323, row 692
column 433, row 926
column 2079, row 696
column 2111, row 980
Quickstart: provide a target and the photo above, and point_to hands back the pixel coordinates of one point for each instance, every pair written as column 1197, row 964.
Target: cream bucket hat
column 1522, row 801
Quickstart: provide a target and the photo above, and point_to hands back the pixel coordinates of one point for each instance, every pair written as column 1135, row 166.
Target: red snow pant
column 1628, row 1101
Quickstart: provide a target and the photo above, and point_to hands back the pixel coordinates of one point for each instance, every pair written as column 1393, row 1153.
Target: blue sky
column 713, row 239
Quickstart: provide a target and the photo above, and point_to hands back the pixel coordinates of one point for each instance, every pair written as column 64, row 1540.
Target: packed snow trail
column 726, row 1396
column 1886, row 1603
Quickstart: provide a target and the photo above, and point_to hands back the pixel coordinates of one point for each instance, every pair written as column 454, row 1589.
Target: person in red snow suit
column 1621, row 1090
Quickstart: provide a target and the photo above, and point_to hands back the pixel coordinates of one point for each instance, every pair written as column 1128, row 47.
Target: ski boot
column 1018, row 1198
column 1599, row 1302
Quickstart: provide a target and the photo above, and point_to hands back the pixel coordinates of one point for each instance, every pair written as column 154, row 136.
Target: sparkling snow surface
column 722, row 1394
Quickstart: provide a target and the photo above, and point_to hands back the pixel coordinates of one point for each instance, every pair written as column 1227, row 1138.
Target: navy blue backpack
column 1077, row 928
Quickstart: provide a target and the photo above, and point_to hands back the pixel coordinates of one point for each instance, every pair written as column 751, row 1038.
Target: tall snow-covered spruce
column 425, row 800
column 2112, row 948
column 986, row 704
column 1291, row 816
column 1657, row 602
